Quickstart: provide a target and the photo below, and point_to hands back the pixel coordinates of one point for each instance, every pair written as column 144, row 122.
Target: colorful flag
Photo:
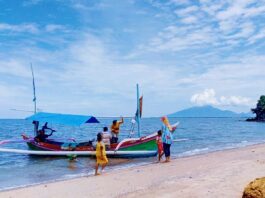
column 141, row 108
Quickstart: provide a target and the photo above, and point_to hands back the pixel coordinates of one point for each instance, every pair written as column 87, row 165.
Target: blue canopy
column 65, row 119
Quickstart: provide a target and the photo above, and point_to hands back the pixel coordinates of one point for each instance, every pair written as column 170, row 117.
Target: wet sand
column 218, row 174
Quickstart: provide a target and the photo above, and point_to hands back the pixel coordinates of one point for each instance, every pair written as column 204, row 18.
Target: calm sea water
column 201, row 135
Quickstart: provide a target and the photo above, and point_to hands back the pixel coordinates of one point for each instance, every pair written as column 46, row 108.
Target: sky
column 88, row 55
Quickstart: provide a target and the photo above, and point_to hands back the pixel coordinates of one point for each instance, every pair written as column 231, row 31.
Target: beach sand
column 218, row 174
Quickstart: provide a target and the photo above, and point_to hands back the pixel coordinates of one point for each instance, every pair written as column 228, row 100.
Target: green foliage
column 260, row 109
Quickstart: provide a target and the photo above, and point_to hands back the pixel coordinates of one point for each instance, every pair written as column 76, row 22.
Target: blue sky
column 88, row 55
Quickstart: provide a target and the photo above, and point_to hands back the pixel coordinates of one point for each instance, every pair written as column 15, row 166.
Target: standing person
column 36, row 127
column 100, row 154
column 167, row 137
column 115, row 130
column 106, row 137
column 159, row 143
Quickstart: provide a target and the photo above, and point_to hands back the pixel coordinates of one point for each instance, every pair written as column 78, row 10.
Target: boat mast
column 138, row 112
column 34, row 92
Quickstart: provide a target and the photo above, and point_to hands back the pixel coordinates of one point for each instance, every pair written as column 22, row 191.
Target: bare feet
column 96, row 174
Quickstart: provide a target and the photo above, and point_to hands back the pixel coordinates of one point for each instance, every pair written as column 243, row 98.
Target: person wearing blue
column 167, row 137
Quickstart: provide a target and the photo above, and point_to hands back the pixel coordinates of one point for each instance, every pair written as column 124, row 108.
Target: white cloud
column 258, row 36
column 102, row 75
column 254, row 11
column 235, row 23
column 190, row 19
column 246, row 30
column 82, row 6
column 87, row 73
column 54, row 27
column 90, row 77
column 97, row 69
column 26, row 27
column 7, row 92
column 31, row 2
column 235, row 101
column 14, row 67
column 31, row 28
column 186, row 11
column 180, row 2
column 208, row 97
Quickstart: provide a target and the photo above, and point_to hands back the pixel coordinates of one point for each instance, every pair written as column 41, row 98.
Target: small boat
column 142, row 146
column 129, row 147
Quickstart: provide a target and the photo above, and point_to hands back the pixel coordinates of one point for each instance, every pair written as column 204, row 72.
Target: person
column 115, row 130
column 36, row 126
column 101, row 157
column 72, row 157
column 167, row 137
column 106, row 137
column 159, row 145
column 45, row 128
column 42, row 136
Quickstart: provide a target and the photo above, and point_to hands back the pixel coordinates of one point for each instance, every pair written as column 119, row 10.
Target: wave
column 198, row 151
column 194, row 152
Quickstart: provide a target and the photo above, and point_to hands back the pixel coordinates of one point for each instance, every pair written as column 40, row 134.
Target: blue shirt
column 167, row 136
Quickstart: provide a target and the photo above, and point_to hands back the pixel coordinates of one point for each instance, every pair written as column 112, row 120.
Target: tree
column 260, row 109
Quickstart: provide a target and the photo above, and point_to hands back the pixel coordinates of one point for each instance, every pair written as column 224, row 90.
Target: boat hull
column 113, row 154
column 127, row 148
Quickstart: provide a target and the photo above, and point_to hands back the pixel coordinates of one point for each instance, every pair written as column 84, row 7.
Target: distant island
column 259, row 110
column 207, row 112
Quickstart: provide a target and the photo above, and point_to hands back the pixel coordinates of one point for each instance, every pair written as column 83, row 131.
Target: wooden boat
column 142, row 146
column 129, row 147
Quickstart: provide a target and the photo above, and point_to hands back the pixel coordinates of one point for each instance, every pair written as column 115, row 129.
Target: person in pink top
column 159, row 143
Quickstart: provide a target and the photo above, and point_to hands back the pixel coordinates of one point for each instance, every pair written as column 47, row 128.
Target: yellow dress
column 101, row 160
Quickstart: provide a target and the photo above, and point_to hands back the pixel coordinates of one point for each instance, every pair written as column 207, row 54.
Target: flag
column 141, row 108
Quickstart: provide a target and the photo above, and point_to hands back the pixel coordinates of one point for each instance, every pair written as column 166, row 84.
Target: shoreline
column 124, row 166
column 189, row 171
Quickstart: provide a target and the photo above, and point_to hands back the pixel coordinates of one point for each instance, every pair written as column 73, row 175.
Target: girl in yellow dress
column 100, row 154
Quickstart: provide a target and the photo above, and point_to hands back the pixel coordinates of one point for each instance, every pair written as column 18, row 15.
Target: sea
column 193, row 136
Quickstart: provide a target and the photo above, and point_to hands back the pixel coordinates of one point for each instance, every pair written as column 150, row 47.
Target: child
column 100, row 154
column 159, row 145
column 72, row 157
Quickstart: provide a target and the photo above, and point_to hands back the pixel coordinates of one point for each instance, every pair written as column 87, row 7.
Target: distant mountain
column 207, row 111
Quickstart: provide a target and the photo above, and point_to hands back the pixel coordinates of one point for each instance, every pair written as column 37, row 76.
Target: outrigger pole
column 138, row 112
column 34, row 92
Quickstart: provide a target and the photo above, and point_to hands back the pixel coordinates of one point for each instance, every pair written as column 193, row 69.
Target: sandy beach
column 217, row 174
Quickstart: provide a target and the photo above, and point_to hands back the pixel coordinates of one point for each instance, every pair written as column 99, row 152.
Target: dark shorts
column 114, row 140
column 166, row 148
